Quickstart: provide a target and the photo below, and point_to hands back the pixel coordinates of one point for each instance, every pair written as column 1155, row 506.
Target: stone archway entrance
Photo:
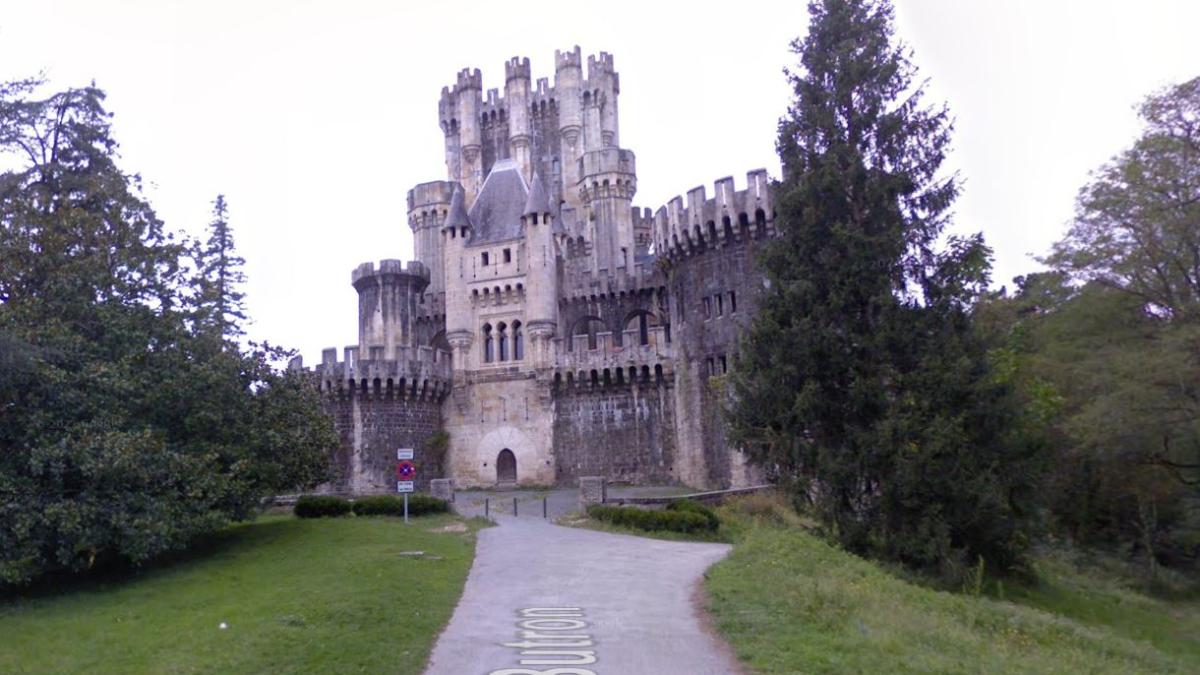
column 506, row 468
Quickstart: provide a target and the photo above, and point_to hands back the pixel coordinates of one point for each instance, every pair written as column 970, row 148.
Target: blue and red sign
column 405, row 470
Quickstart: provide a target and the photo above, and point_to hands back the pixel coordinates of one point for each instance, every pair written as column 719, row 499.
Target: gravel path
column 552, row 600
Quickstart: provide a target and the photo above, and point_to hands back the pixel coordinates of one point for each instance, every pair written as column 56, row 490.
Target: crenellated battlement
column 416, row 373
column 468, row 79
column 516, row 68
column 428, row 202
column 730, row 216
column 583, row 360
column 607, row 160
column 601, row 64
column 583, row 285
column 571, row 59
column 368, row 270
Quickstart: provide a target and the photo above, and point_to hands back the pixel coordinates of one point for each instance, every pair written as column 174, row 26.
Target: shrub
column 690, row 506
column 392, row 505
column 321, row 506
column 686, row 522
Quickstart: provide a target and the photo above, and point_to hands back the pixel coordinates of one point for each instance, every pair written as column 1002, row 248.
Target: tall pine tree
column 860, row 382
column 220, row 277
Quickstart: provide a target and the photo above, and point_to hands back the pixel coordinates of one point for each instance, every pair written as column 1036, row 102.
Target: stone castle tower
column 550, row 328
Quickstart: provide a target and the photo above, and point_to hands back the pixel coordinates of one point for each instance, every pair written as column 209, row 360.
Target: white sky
column 315, row 118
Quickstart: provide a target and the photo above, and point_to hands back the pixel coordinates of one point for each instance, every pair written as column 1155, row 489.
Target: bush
column 391, row 505
column 690, row 506
column 321, row 506
column 686, row 522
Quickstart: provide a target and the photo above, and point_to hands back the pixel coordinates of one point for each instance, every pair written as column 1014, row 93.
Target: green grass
column 790, row 603
column 299, row 596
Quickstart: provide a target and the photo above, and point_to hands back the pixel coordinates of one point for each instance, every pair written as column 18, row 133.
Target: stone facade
column 553, row 329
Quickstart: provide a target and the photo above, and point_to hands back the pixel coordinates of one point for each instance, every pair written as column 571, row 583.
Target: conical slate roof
column 496, row 213
column 537, row 201
column 458, row 210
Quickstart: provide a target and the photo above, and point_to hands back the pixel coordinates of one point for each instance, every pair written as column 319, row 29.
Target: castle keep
column 551, row 328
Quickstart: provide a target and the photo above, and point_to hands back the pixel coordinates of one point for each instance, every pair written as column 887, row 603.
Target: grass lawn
column 299, row 596
column 790, row 603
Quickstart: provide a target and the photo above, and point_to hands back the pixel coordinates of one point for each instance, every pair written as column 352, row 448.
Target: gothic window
column 502, row 339
column 488, row 346
column 518, row 341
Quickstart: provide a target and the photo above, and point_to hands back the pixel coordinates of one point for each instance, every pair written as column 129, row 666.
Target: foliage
column 686, row 522
column 1118, row 385
column 785, row 597
column 391, row 505
column 298, row 596
column 1137, row 227
column 433, row 453
column 321, row 506
column 861, row 382
column 692, row 506
column 126, row 427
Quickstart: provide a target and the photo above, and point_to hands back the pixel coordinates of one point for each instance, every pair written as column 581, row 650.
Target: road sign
column 404, row 486
column 404, row 453
column 406, row 470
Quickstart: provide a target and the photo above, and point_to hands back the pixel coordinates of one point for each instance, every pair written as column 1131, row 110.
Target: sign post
column 406, row 474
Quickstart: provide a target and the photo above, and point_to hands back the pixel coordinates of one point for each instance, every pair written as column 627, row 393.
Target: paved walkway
column 569, row 601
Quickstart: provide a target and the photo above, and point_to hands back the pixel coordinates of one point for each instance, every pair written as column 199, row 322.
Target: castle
column 549, row 329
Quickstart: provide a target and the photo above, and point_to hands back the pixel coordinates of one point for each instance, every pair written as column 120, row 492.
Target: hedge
column 321, row 506
column 689, row 506
column 673, row 521
column 391, row 505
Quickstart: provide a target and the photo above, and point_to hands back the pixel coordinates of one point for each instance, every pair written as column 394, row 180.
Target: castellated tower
column 428, row 206
column 387, row 307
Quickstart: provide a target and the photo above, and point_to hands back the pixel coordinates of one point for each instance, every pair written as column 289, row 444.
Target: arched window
column 488, row 346
column 641, row 321
column 589, row 326
column 502, row 338
column 518, row 341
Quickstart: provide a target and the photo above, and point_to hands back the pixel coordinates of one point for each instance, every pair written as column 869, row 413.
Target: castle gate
column 506, row 467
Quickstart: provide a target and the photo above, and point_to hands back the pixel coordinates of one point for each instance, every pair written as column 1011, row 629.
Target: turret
column 387, row 306
column 608, row 182
column 468, row 92
column 516, row 98
column 428, row 206
column 602, row 88
column 568, row 84
column 456, row 232
column 541, row 306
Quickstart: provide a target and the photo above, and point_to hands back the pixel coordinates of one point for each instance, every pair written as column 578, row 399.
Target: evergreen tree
column 220, row 276
column 860, row 382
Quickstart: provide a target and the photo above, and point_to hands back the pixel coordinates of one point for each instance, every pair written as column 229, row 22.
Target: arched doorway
column 506, row 467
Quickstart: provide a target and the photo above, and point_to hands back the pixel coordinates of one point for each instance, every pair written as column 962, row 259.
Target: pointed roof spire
column 537, row 201
column 457, row 217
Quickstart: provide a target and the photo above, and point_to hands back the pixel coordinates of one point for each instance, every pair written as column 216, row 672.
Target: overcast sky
column 315, row 118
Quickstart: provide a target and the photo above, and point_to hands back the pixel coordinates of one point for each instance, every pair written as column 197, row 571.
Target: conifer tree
column 219, row 267
column 859, row 382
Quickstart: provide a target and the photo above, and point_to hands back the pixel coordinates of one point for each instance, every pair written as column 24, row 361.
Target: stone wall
column 713, row 293
column 371, row 429
column 625, row 433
